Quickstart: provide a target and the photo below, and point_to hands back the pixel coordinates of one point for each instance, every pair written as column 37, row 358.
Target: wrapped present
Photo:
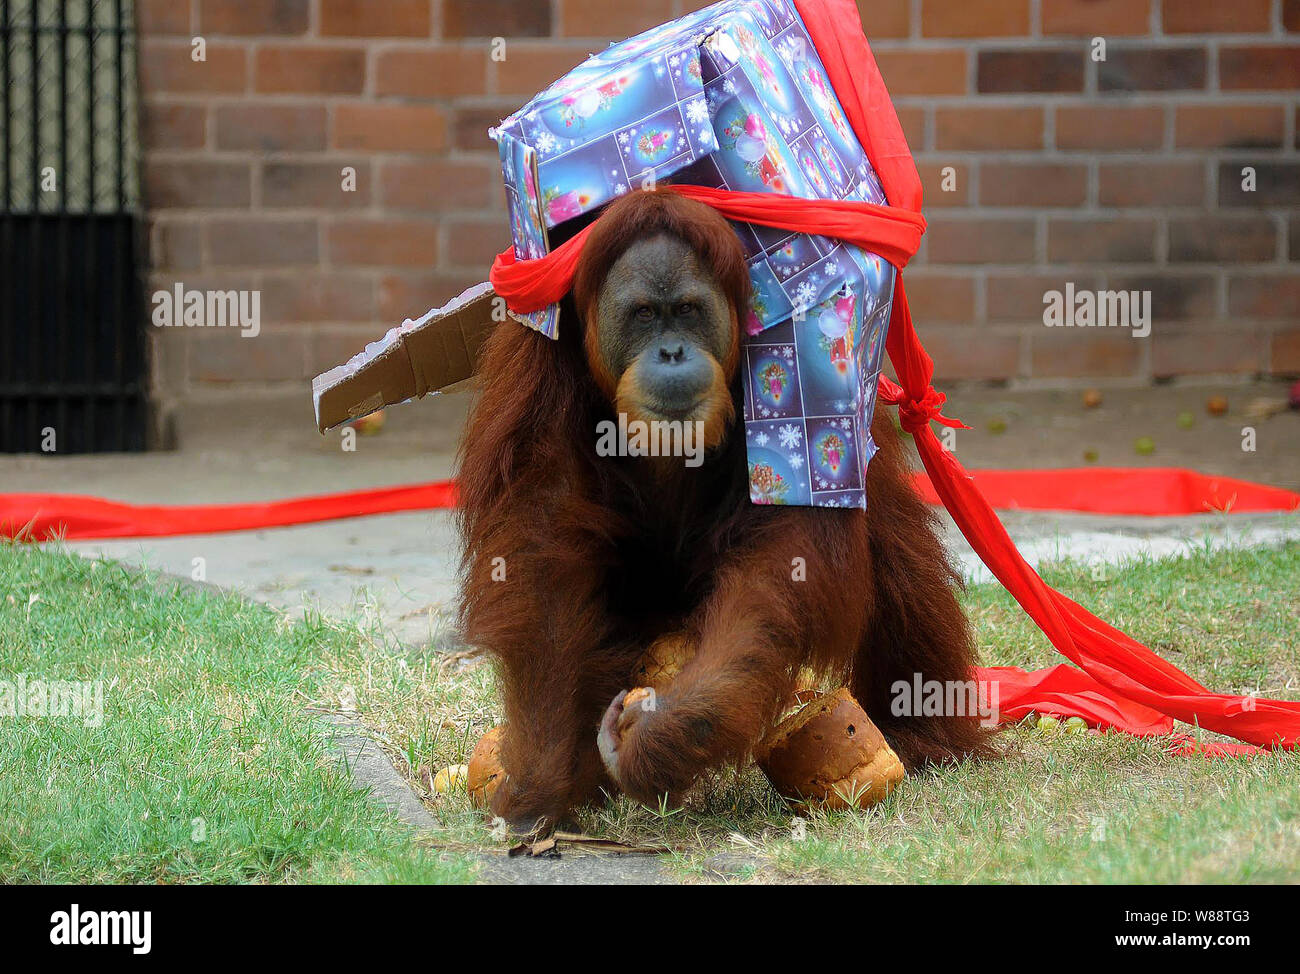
column 731, row 96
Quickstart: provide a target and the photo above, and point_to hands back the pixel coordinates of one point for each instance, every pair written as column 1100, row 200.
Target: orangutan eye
column 684, row 309
column 645, row 313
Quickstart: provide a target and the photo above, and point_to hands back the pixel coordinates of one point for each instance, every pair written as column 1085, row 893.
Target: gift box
column 732, row 96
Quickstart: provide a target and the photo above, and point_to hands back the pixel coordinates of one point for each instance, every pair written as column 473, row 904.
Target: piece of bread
column 830, row 754
column 485, row 773
column 665, row 658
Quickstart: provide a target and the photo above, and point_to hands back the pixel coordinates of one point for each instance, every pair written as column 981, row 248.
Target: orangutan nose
column 672, row 353
column 677, row 376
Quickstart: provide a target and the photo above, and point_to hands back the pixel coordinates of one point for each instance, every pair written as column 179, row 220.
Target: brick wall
column 1122, row 173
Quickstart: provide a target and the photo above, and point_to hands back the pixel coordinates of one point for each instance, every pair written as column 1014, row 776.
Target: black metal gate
column 73, row 364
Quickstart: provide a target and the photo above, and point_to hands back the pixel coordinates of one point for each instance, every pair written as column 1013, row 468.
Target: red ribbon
column 894, row 234
column 1160, row 492
column 1132, row 682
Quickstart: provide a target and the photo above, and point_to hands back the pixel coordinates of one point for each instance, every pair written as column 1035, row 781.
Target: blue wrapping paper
column 731, row 96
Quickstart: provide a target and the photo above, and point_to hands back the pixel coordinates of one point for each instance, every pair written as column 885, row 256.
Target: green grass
column 206, row 767
column 206, row 716
column 1057, row 808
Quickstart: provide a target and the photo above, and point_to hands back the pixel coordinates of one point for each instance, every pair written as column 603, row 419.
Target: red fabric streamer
column 43, row 517
column 1125, row 670
column 1158, row 492
column 1151, row 492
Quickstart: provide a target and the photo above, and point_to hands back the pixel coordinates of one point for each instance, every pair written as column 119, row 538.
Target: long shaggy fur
column 600, row 560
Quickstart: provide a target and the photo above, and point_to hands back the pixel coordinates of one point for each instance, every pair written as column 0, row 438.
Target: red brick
column 1078, row 352
column 177, row 245
column 913, row 121
column 990, row 18
column 1238, row 17
column 495, row 18
column 1152, row 69
column 253, row 17
column 154, row 17
column 1174, row 296
column 1037, row 184
column 960, row 354
column 411, row 293
column 444, row 71
column 923, row 72
column 601, row 18
column 1151, row 184
column 365, row 18
column 1203, row 351
column 940, row 297
column 985, row 241
column 1019, row 297
column 1096, row 18
column 383, row 243
column 390, row 128
column 1229, row 126
column 173, row 126
column 203, row 281
column 253, row 241
column 1110, row 127
column 271, row 127
column 528, row 68
column 1291, row 15
column 1101, row 241
column 471, row 123
column 438, row 186
column 226, row 358
column 312, row 185
column 1259, row 68
column 1009, row 72
column 881, row 18
column 1276, row 184
column 181, row 185
column 327, row 296
column 1285, row 353
column 1222, row 239
column 932, row 182
column 167, row 66
column 475, row 243
column 1271, row 296
column 995, row 129
column 311, row 70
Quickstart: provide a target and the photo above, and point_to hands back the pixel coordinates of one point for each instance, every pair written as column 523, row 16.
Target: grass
column 1058, row 808
column 205, row 717
column 206, row 766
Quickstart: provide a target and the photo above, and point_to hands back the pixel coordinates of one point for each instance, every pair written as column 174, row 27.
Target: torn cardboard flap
column 432, row 353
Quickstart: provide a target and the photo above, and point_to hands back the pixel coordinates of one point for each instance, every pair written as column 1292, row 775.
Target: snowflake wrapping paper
column 731, row 96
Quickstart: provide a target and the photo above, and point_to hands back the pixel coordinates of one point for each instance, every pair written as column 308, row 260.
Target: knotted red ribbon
column 1120, row 683
column 894, row 234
